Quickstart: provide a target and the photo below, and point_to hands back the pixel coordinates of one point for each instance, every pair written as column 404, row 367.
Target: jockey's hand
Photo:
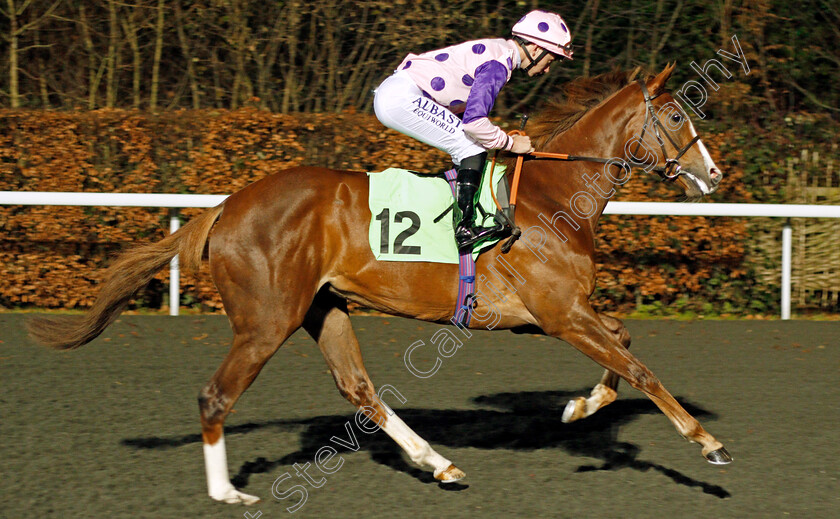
column 521, row 144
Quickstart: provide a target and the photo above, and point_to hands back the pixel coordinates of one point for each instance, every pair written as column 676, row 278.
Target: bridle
column 672, row 169
column 669, row 172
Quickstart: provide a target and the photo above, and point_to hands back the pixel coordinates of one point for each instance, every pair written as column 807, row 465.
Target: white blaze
column 708, row 164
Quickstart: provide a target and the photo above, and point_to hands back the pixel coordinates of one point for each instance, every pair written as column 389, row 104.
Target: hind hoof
column 719, row 457
column 450, row 474
column 233, row 496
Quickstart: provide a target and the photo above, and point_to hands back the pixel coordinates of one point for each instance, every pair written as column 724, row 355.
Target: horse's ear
column 657, row 85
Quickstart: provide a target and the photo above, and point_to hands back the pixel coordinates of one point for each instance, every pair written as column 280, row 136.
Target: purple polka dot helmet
column 547, row 30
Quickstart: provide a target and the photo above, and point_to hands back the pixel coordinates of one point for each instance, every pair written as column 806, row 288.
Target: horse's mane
column 574, row 100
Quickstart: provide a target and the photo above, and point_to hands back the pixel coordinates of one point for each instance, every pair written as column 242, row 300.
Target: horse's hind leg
column 606, row 391
column 262, row 314
column 253, row 344
column 329, row 323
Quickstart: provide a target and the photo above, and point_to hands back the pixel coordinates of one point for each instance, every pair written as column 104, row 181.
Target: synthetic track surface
column 111, row 430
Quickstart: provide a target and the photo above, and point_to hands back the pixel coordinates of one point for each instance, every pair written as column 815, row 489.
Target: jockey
column 443, row 98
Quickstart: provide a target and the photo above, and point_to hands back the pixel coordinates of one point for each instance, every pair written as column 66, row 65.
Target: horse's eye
column 676, row 118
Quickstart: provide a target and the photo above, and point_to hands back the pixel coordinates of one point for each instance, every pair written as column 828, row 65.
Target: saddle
column 408, row 214
column 408, row 222
column 442, row 243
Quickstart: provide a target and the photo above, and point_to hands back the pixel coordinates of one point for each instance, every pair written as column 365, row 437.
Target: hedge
column 53, row 257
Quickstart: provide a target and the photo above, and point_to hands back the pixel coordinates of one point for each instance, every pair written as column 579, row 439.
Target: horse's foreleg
column 607, row 390
column 329, row 324
column 588, row 333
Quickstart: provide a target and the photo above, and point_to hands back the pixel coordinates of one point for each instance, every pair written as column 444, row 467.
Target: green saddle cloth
column 403, row 207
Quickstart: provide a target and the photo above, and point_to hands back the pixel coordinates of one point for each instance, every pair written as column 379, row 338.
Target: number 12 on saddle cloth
column 404, row 205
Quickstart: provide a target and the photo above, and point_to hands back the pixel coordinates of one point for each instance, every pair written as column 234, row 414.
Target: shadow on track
column 516, row 421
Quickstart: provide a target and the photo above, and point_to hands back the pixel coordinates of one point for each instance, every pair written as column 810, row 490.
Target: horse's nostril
column 715, row 175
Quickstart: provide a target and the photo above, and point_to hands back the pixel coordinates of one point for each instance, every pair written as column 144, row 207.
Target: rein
column 548, row 155
column 669, row 172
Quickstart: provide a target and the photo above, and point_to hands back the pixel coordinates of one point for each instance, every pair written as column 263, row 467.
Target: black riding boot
column 470, row 173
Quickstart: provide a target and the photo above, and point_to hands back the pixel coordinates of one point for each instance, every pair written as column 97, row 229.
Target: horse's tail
column 130, row 273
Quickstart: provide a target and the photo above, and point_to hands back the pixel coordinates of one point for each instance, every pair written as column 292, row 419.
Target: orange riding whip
column 514, row 189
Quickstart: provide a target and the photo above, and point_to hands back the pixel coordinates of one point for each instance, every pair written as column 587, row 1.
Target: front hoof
column 575, row 410
column 233, row 496
column 719, row 457
column 450, row 474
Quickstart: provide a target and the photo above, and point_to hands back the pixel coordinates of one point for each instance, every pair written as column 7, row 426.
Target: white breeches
column 400, row 105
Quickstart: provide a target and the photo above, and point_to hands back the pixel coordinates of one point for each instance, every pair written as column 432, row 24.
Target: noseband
column 672, row 169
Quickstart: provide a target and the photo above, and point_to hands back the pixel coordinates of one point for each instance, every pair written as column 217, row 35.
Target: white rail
column 109, row 199
column 628, row 208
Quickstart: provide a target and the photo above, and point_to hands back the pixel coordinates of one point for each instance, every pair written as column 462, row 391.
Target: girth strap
column 466, row 271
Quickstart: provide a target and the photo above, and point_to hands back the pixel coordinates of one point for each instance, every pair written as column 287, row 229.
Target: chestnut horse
column 290, row 250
